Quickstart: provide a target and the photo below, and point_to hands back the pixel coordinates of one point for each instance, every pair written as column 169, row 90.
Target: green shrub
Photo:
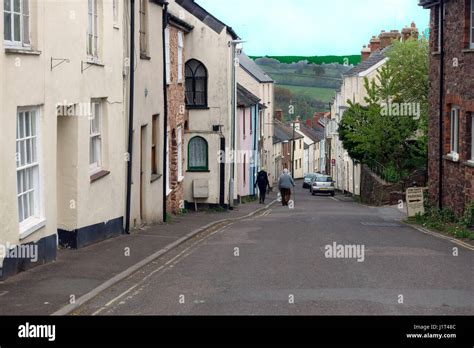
column 468, row 218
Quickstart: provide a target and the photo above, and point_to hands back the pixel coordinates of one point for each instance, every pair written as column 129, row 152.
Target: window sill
column 168, row 192
column 99, row 175
column 144, row 56
column 19, row 50
column 468, row 50
column 192, row 107
column 198, row 171
column 469, row 163
column 155, row 177
column 450, row 158
column 180, row 179
column 437, row 53
column 31, row 227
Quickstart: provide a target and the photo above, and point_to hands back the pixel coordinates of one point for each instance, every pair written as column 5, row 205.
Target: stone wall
column 374, row 190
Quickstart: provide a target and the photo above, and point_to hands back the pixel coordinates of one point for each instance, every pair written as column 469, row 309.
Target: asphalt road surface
column 279, row 263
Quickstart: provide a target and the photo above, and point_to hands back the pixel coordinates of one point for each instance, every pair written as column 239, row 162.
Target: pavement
column 78, row 275
column 277, row 263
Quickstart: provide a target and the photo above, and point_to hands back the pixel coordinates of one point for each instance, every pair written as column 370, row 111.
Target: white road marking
column 111, row 302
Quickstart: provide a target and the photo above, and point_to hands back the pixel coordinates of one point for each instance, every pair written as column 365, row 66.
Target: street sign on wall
column 415, row 201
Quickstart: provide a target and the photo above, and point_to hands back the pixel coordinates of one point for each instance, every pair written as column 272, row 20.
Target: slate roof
column 279, row 135
column 253, row 69
column 245, row 97
column 312, row 133
column 207, row 18
column 282, row 132
column 374, row 59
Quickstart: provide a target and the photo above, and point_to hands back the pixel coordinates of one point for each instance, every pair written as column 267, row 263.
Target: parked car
column 323, row 184
column 308, row 179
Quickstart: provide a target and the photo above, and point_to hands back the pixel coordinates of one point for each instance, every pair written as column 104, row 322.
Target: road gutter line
column 128, row 272
column 440, row 236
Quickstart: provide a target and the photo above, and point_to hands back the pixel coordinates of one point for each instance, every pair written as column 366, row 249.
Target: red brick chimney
column 365, row 53
column 279, row 115
column 386, row 38
column 374, row 44
column 410, row 32
column 309, row 123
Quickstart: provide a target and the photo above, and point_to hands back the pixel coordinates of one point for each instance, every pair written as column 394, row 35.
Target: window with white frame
column 180, row 56
column 180, row 153
column 93, row 29
column 454, row 130
column 472, row 137
column 16, row 23
column 168, row 55
column 168, row 181
column 116, row 12
column 95, row 135
column 143, row 27
column 471, row 26
column 28, row 166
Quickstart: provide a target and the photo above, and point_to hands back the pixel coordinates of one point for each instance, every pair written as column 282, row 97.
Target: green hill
column 308, row 85
column 343, row 60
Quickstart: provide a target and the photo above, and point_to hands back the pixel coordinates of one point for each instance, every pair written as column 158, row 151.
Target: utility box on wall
column 201, row 189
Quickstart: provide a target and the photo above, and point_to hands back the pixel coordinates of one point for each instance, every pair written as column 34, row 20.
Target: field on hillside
column 323, row 94
column 310, row 87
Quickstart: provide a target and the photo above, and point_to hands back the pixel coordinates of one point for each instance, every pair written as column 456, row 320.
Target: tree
column 319, row 70
column 373, row 132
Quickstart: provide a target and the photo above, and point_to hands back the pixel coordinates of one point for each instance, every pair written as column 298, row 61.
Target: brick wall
column 176, row 118
column 458, row 178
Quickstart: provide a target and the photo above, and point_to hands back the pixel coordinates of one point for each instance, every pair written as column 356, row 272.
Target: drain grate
column 381, row 224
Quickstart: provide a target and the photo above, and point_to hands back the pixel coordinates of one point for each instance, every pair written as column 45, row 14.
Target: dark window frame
column 191, row 81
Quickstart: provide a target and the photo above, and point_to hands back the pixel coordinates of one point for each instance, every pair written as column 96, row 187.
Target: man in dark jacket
column 262, row 183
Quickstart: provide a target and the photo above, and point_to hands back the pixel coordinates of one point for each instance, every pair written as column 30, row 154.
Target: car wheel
column 333, row 194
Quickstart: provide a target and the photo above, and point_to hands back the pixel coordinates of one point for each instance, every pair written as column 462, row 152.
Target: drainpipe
column 165, row 120
column 233, row 44
column 130, row 115
column 441, row 104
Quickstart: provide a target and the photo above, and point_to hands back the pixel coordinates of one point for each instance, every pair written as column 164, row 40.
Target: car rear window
column 324, row 179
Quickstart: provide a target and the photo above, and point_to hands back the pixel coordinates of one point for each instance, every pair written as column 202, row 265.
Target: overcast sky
column 314, row 27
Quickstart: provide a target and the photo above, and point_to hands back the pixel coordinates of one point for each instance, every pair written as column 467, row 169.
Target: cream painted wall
column 265, row 91
column 149, row 101
column 345, row 173
column 32, row 83
column 217, row 57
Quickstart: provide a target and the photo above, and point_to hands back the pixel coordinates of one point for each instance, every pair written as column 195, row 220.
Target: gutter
column 130, row 113
column 165, row 126
column 441, row 105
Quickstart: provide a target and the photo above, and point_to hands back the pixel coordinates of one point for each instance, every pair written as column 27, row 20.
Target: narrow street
column 275, row 264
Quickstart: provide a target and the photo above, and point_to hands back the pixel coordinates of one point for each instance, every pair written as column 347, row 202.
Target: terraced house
column 207, row 121
column 63, row 168
column 451, row 99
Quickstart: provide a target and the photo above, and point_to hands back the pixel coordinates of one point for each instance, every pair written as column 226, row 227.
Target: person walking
column 285, row 184
column 262, row 183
